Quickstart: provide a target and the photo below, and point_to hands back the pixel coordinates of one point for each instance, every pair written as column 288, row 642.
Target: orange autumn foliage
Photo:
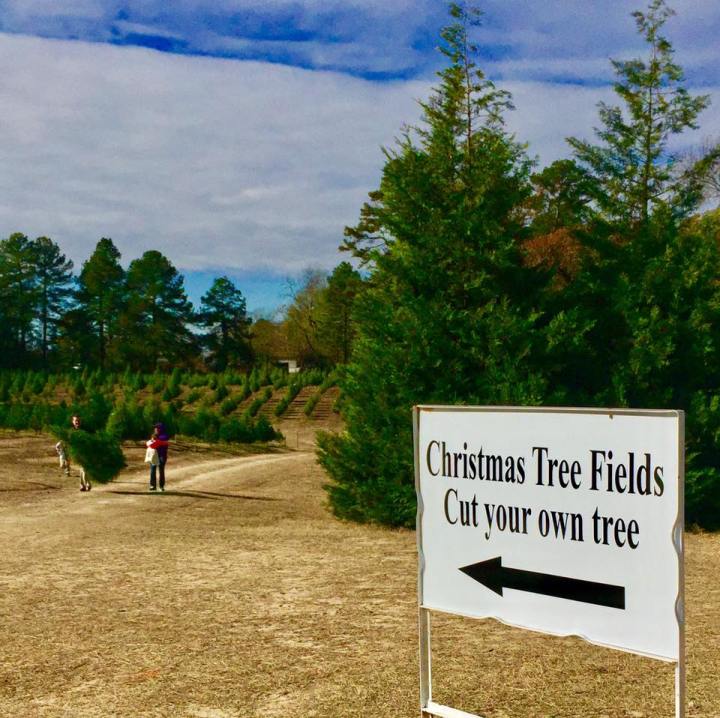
column 559, row 250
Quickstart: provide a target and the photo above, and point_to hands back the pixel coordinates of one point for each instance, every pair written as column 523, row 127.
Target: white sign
column 564, row 521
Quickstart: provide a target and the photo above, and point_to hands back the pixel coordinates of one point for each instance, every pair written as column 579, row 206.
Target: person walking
column 158, row 442
column 62, row 453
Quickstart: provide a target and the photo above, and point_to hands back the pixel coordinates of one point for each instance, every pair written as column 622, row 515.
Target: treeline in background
column 141, row 318
column 594, row 282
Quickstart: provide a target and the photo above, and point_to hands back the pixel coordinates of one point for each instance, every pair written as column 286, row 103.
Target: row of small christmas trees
column 19, row 385
column 132, row 420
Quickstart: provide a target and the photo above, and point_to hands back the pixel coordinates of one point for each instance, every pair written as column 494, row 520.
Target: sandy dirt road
column 236, row 593
column 220, row 597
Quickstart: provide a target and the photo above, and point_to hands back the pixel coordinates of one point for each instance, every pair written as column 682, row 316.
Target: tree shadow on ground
column 213, row 495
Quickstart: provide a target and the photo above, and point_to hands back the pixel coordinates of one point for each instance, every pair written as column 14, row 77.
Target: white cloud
column 589, row 71
column 382, row 57
column 214, row 162
column 217, row 163
column 594, row 30
column 547, row 114
column 24, row 9
column 137, row 28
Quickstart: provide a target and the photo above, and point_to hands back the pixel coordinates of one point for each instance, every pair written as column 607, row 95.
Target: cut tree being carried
column 99, row 454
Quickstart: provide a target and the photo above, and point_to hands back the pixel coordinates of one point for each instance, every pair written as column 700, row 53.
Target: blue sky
column 239, row 137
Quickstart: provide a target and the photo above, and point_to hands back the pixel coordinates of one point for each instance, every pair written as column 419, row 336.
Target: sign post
column 563, row 521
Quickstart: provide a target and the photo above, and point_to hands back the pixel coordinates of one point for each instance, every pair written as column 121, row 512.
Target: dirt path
column 235, row 593
column 221, row 597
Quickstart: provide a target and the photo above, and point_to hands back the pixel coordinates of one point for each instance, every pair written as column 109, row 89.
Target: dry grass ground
column 237, row 594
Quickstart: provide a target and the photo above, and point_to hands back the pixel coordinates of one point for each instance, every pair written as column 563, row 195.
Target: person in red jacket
column 158, row 441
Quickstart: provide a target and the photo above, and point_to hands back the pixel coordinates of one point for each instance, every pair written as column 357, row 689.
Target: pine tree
column 100, row 296
column 53, row 277
column 18, row 298
column 155, row 320
column 639, row 200
column 632, row 169
column 647, row 289
column 223, row 312
column 448, row 313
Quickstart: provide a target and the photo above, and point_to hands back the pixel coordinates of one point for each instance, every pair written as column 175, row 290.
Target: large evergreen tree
column 18, row 298
column 646, row 298
column 223, row 312
column 448, row 313
column 53, row 278
column 154, row 324
column 100, row 297
column 640, row 261
column 632, row 168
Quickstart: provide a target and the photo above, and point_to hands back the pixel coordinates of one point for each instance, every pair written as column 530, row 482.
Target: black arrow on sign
column 494, row 576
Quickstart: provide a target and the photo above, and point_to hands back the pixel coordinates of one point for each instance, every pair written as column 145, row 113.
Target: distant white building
column 292, row 365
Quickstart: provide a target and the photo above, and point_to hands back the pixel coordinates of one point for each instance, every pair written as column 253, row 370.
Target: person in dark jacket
column 158, row 441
